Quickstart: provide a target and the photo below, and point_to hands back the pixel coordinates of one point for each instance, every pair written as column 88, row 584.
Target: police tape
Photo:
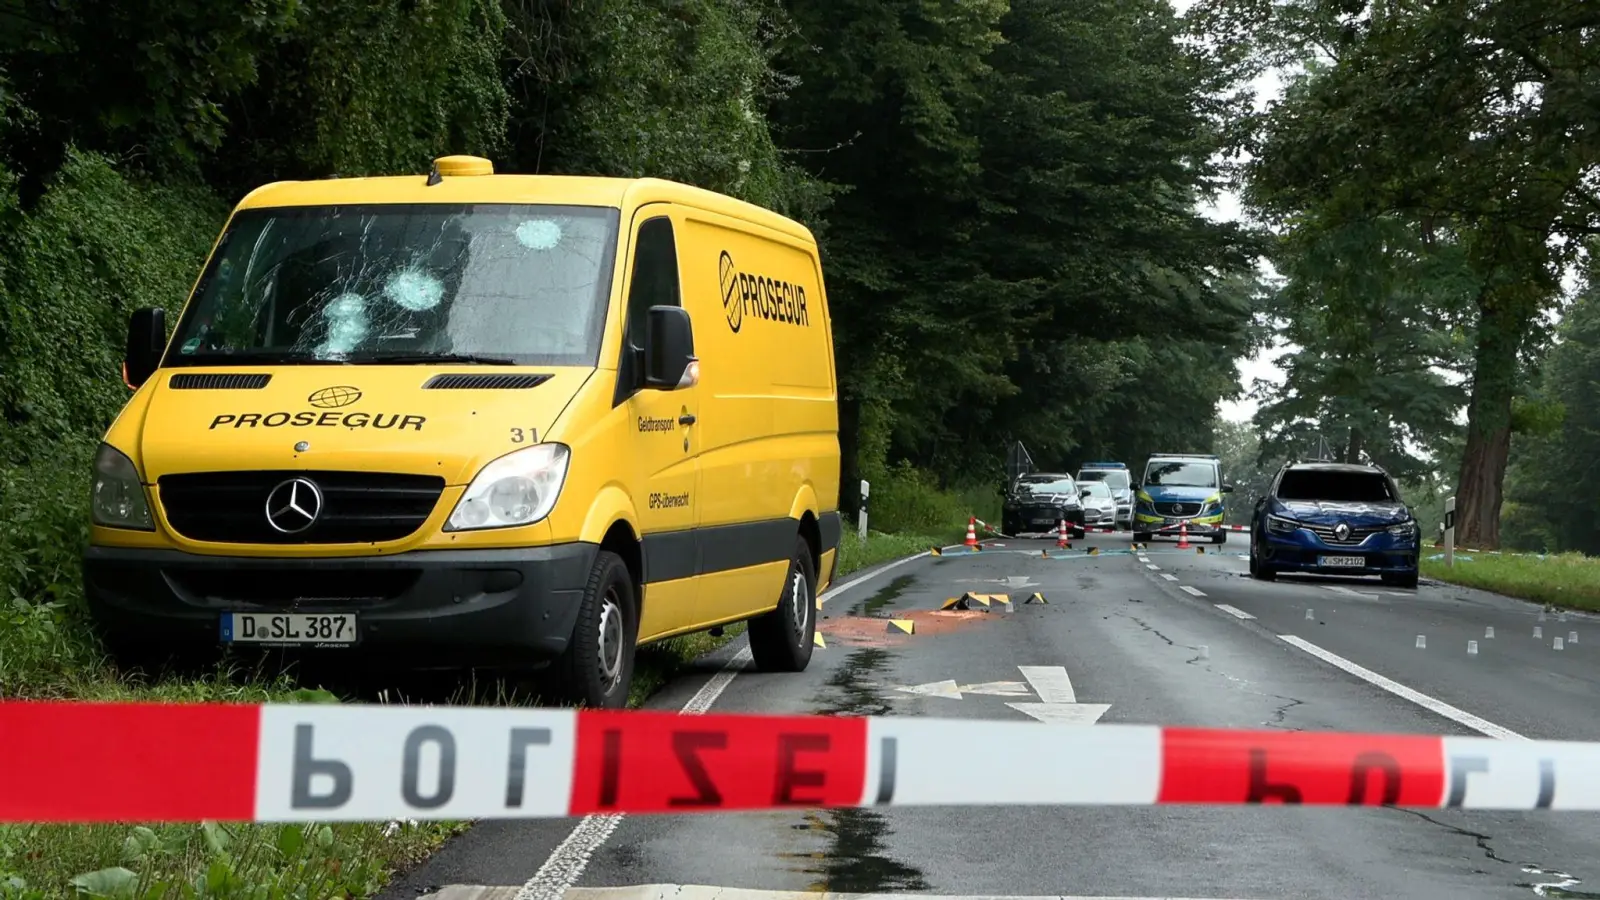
column 81, row 762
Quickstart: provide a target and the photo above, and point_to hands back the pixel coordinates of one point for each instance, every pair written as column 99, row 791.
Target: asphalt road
column 1164, row 637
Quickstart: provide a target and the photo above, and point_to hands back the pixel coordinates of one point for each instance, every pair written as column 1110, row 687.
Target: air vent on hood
column 226, row 381
column 475, row 382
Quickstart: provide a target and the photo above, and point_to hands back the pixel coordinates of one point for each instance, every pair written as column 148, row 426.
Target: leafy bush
column 908, row 500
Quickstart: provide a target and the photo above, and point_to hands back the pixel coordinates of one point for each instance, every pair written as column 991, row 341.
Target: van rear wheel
column 597, row 668
column 781, row 640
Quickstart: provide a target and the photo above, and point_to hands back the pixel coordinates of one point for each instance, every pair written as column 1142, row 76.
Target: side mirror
column 147, row 339
column 1227, row 488
column 669, row 361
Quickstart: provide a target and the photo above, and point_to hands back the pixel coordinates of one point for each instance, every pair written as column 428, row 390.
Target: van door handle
column 686, row 419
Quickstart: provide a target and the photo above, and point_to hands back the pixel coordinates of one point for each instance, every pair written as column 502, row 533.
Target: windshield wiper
column 422, row 358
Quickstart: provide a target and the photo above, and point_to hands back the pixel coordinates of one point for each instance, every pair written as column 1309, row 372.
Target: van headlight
column 118, row 499
column 519, row 488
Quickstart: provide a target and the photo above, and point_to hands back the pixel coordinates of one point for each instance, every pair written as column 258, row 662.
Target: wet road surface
column 1163, row 637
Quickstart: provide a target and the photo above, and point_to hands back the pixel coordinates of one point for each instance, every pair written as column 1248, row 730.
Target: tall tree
column 1465, row 115
column 1379, row 320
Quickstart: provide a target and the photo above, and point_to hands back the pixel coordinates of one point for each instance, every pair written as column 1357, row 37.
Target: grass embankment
column 47, row 653
column 1569, row 580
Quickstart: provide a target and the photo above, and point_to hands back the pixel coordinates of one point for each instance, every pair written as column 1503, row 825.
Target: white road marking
column 1194, row 591
column 1349, row 593
column 1063, row 713
column 1432, row 704
column 1234, row 611
column 1060, row 706
column 1051, row 683
column 1152, row 567
column 565, row 865
column 1169, row 577
column 946, row 689
column 996, row 689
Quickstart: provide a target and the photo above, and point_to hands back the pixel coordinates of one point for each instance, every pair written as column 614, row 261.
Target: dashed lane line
column 1192, row 591
column 1169, row 577
column 1234, row 611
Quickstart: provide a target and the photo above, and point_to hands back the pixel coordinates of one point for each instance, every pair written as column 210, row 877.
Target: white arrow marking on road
column 1060, row 706
column 946, row 689
column 996, row 689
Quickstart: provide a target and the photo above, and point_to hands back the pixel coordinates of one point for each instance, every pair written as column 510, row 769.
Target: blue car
column 1334, row 519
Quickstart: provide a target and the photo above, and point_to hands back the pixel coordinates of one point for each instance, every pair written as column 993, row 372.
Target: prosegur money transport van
column 479, row 420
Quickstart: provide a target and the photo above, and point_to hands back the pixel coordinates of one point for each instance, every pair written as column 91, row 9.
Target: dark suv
column 1040, row 502
column 1335, row 519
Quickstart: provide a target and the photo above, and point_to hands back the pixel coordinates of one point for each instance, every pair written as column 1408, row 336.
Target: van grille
column 478, row 382
column 357, row 507
column 1178, row 509
column 222, row 381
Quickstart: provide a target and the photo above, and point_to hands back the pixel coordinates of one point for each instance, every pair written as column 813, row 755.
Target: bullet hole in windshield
column 539, row 234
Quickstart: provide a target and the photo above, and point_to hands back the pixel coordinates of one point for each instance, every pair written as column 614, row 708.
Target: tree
column 1379, row 319
column 1469, row 118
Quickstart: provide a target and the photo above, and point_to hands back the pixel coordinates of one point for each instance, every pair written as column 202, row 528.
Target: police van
column 469, row 419
column 1181, row 491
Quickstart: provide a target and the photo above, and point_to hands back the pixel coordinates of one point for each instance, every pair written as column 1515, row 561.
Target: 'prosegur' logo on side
column 766, row 298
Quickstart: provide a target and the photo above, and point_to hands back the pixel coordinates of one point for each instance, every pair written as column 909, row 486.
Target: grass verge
column 1569, row 580
column 45, row 654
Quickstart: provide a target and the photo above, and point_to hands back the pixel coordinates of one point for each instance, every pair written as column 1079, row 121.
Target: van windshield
column 1181, row 474
column 379, row 283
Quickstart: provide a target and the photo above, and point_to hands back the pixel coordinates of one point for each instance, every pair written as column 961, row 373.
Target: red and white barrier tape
column 78, row 762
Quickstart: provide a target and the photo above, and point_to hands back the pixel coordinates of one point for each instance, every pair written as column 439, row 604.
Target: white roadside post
column 1450, row 532
column 861, row 517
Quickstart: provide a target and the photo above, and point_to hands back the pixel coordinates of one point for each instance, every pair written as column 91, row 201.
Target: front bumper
column 1170, row 525
column 1038, row 518
column 433, row 608
column 1304, row 552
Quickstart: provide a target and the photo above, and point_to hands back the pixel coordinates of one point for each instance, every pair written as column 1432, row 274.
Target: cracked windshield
column 756, row 449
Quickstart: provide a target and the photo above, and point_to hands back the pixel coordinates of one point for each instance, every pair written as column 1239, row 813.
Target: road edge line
column 567, row 862
column 1431, row 704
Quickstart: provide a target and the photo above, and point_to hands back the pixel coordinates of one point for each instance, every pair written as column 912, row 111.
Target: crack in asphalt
column 1481, row 839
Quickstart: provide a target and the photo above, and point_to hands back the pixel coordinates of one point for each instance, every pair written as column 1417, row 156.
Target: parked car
column 1117, row 478
column 1334, row 518
column 1099, row 504
column 1041, row 502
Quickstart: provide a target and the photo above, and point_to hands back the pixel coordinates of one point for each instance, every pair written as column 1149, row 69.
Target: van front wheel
column 781, row 640
column 597, row 668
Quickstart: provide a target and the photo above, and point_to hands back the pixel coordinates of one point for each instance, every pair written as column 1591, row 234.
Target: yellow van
column 468, row 419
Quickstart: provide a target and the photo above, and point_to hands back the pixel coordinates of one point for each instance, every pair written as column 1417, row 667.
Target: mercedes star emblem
column 294, row 505
column 1342, row 531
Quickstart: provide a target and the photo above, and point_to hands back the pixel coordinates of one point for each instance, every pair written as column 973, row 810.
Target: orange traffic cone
column 972, row 533
column 1183, row 535
column 1061, row 537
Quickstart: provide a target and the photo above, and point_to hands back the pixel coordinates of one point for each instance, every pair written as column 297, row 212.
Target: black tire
column 1141, row 537
column 782, row 640
column 1010, row 527
column 1220, row 537
column 1077, row 533
column 596, row 670
column 1404, row 580
column 1260, row 571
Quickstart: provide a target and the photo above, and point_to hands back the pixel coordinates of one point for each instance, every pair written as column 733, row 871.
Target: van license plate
column 1341, row 561
column 298, row 629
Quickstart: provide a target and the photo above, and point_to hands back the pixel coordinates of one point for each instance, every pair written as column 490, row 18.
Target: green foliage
column 371, row 88
column 1464, row 118
column 1380, row 318
column 1246, row 466
column 97, row 245
column 1552, row 483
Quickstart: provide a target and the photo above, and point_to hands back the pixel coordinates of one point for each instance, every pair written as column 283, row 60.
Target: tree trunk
column 1352, row 450
column 1501, row 324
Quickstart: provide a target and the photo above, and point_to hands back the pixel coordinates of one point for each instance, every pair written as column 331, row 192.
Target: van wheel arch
column 811, row 533
column 621, row 540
